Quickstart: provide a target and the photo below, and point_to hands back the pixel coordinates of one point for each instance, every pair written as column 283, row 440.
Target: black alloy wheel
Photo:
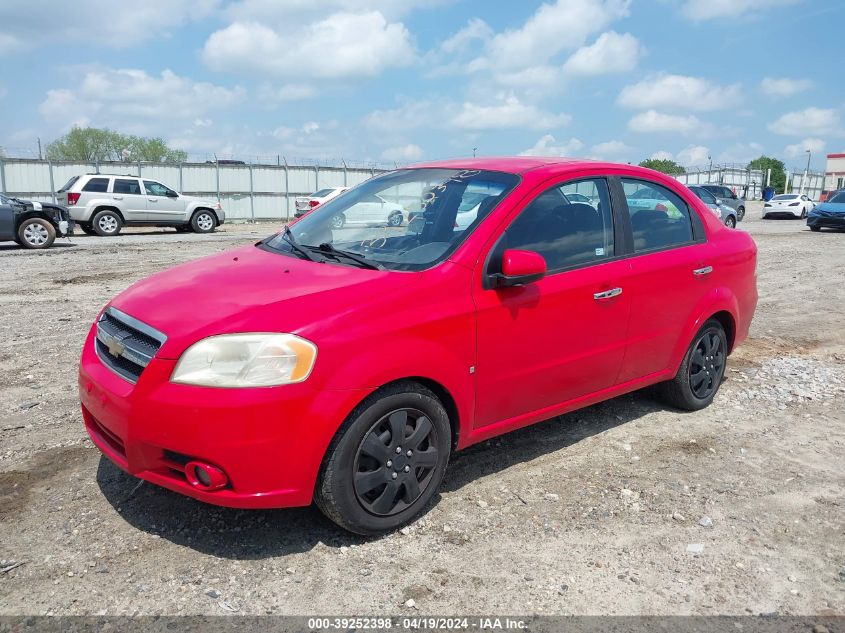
column 707, row 365
column 395, row 462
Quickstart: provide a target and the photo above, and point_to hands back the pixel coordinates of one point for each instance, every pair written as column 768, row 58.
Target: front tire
column 338, row 222
column 107, row 223
column 395, row 219
column 36, row 233
column 730, row 222
column 701, row 372
column 203, row 222
column 387, row 460
column 740, row 213
column 815, row 229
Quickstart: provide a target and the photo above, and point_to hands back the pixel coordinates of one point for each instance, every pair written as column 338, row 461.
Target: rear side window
column 565, row 232
column 126, row 186
column 97, row 184
column 659, row 218
column 68, row 184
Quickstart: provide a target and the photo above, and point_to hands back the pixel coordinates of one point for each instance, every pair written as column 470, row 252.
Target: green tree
column 765, row 163
column 95, row 144
column 663, row 164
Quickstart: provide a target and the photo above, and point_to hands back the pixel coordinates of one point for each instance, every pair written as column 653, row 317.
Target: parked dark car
column 830, row 214
column 32, row 224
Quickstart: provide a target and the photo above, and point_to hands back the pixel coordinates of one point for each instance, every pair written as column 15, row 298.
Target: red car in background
column 345, row 365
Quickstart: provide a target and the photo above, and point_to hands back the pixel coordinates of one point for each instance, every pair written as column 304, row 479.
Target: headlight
column 717, row 211
column 246, row 360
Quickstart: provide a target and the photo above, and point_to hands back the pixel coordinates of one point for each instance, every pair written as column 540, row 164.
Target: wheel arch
column 720, row 304
column 23, row 217
column 199, row 208
column 107, row 207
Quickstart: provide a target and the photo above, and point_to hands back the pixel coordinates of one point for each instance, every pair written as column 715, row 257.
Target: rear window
column 68, row 184
column 789, row 196
column 126, row 186
column 839, row 198
column 97, row 185
column 321, row 194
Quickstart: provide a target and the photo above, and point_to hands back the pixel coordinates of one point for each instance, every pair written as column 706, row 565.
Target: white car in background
column 369, row 211
column 304, row 204
column 796, row 205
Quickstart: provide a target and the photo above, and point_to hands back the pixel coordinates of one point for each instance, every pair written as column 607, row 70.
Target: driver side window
column 566, row 232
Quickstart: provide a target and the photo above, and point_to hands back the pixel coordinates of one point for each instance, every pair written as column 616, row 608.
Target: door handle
column 118, row 197
column 704, row 270
column 607, row 294
column 152, row 199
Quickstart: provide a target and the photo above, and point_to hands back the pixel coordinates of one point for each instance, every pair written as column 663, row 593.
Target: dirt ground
column 622, row 508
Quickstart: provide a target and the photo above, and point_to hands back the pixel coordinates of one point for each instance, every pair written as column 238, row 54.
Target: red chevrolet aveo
column 343, row 362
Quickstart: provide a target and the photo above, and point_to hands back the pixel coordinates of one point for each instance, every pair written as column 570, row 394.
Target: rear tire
column 338, row 221
column 36, row 233
column 87, row 229
column 815, row 229
column 107, row 223
column 395, row 219
column 203, row 221
column 386, row 461
column 701, row 372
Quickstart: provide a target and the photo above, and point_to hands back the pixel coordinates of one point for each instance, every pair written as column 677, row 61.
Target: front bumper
column 270, row 442
column 221, row 216
column 831, row 220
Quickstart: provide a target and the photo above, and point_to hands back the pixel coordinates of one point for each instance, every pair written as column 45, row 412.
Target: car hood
column 249, row 290
column 831, row 207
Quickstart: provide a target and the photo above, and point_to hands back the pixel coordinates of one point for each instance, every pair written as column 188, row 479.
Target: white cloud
column 510, row 112
column 740, row 153
column 679, row 92
column 693, row 155
column 815, row 145
column 198, row 122
column 809, row 122
column 288, row 11
column 133, row 101
column 662, row 155
column 784, row 87
column 475, row 29
column 408, row 115
column 403, row 153
column 274, row 95
column 611, row 150
column 610, row 53
column 341, row 45
column 547, row 145
column 555, row 27
column 711, row 9
column 66, row 23
column 653, row 121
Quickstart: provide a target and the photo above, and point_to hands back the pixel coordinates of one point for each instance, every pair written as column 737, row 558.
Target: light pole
column 710, row 169
column 474, row 149
column 807, row 171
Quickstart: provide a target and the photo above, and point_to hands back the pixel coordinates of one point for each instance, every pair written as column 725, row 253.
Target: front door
column 163, row 205
column 563, row 337
column 7, row 220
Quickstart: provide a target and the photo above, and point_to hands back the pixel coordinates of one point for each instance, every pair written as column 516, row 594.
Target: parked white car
column 103, row 203
column 304, row 204
column 368, row 211
column 796, row 205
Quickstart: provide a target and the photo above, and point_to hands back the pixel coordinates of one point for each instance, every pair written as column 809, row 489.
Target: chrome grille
column 126, row 345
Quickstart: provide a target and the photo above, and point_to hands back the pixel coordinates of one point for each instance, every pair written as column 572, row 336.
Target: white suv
column 102, row 204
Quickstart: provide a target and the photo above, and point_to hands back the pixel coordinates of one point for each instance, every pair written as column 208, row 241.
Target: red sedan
column 345, row 365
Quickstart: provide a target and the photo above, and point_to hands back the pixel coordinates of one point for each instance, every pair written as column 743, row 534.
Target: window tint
column 659, row 218
column 839, row 198
column 154, row 188
column 564, row 232
column 68, row 184
column 704, row 195
column 126, row 186
column 97, row 184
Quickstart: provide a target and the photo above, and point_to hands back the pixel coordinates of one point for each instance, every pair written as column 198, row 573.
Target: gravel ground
column 622, row 508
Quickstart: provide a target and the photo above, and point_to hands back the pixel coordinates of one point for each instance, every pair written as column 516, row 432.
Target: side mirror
column 172, row 194
column 519, row 268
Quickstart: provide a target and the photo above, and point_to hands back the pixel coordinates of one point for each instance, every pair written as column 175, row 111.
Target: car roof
column 522, row 164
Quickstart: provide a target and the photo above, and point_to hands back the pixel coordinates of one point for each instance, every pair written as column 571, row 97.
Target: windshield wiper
column 327, row 248
column 287, row 236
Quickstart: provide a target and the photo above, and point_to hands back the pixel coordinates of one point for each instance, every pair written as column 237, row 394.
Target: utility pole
column 807, row 172
column 474, row 149
column 39, row 148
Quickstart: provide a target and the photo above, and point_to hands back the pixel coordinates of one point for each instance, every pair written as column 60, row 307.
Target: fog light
column 205, row 476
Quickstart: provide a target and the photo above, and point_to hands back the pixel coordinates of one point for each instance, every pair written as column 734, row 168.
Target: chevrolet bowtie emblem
column 115, row 346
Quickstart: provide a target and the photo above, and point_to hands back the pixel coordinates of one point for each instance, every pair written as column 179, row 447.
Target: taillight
column 314, row 203
column 73, row 198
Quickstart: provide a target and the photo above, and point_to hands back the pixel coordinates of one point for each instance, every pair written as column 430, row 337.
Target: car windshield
column 839, row 198
column 789, row 196
column 408, row 219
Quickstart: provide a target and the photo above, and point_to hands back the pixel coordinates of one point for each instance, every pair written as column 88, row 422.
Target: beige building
column 834, row 173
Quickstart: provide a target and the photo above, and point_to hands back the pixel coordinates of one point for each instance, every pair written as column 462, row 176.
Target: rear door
column 7, row 220
column 127, row 192
column 671, row 270
column 562, row 337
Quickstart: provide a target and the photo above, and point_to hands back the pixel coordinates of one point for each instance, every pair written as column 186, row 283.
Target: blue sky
column 408, row 80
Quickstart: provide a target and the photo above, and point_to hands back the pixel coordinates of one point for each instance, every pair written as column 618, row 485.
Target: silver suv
column 103, row 203
column 727, row 198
